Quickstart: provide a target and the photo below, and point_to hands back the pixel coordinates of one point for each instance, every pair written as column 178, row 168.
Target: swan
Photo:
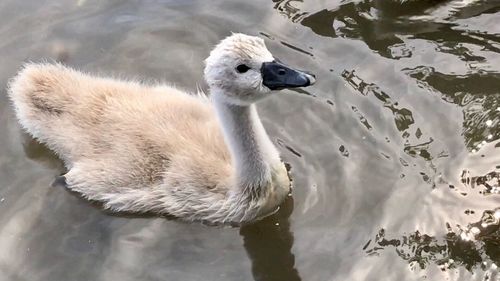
column 154, row 148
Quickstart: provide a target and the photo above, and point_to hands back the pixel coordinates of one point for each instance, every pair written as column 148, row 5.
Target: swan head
column 243, row 71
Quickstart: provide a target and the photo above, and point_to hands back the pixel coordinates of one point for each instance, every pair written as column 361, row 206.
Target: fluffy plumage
column 154, row 148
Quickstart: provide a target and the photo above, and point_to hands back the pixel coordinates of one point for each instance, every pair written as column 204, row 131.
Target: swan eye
column 242, row 68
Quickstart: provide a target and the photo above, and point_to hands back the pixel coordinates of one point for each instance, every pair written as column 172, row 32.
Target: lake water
column 394, row 153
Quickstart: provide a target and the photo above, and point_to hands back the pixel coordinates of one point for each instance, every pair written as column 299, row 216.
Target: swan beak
column 277, row 76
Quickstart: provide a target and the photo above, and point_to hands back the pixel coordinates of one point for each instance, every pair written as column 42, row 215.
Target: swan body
column 154, row 148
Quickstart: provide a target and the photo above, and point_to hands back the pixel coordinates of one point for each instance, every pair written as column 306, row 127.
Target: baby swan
column 139, row 148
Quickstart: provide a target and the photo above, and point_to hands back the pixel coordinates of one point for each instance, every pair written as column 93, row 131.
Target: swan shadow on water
column 269, row 246
column 40, row 153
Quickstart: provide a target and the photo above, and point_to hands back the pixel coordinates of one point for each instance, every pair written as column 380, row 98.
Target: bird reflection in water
column 269, row 246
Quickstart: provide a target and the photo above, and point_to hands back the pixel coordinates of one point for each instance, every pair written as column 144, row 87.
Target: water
column 394, row 152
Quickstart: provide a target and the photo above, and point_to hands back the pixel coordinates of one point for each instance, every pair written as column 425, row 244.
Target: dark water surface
column 395, row 153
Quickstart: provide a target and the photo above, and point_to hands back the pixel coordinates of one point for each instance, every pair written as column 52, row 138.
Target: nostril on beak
column 281, row 71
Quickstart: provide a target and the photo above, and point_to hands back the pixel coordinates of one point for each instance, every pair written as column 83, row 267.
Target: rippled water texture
column 394, row 153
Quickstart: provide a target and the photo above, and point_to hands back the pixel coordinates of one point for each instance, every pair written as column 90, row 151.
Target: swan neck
column 252, row 151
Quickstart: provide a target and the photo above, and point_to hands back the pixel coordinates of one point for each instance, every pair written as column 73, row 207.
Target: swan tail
column 43, row 105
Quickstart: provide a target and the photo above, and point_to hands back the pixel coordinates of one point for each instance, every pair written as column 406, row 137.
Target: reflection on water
column 394, row 152
column 269, row 246
column 415, row 144
column 379, row 25
column 485, row 184
column 475, row 246
column 477, row 93
column 388, row 29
